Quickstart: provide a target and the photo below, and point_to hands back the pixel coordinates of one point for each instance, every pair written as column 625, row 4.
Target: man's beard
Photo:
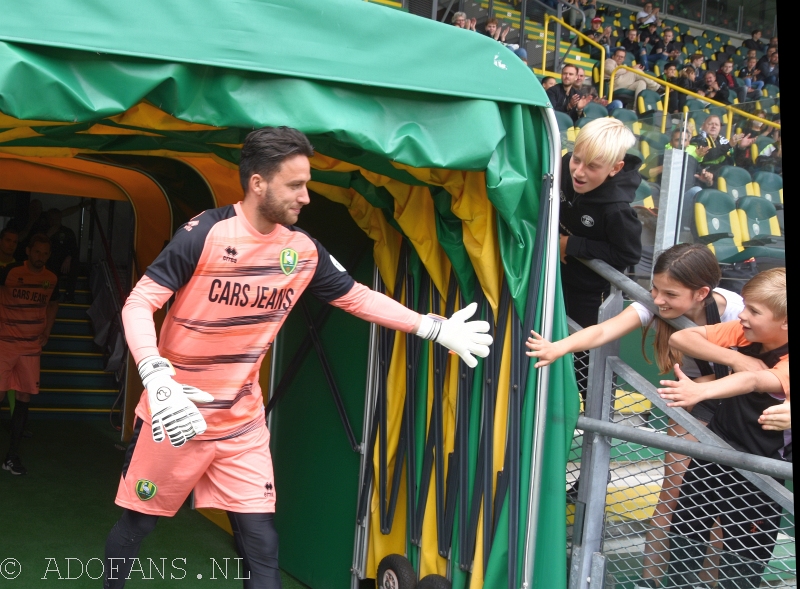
column 37, row 265
column 270, row 210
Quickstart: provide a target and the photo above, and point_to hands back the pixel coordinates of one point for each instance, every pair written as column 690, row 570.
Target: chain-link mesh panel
column 581, row 364
column 671, row 522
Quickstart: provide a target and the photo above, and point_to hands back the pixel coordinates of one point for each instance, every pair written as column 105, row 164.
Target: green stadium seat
column 694, row 104
column 716, row 224
column 761, row 232
column 648, row 102
column 690, row 48
column 653, row 142
column 583, row 121
column 735, row 181
column 722, row 113
column 564, row 121
column 758, row 146
column 629, row 118
column 595, row 111
column 770, row 187
column 771, row 90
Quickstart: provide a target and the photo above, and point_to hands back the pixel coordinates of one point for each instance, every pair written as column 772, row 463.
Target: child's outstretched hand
column 683, row 392
column 547, row 352
column 777, row 417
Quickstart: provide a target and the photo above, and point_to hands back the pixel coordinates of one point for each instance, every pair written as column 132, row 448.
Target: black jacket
column 559, row 98
column 601, row 225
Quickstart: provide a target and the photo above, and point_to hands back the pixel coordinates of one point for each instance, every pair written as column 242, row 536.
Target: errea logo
column 231, row 254
column 587, row 220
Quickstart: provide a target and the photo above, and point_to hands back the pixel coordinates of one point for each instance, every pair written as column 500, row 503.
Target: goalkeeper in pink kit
column 235, row 272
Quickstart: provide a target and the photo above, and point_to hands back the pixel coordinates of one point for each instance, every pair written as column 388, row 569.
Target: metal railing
column 636, row 519
column 669, row 86
column 556, row 47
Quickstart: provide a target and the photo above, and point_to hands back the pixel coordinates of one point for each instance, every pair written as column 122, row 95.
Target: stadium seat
column 771, row 90
column 760, row 230
column 698, row 118
column 595, row 111
column 758, row 146
column 648, row 102
column 690, row 48
column 716, row 224
column 734, row 181
column 582, row 122
column 629, row 118
column 722, row 113
column 653, row 142
column 693, row 104
column 770, row 187
column 564, row 121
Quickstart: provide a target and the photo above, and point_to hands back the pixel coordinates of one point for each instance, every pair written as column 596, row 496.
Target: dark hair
column 757, row 31
column 38, row 238
column 618, row 49
column 547, row 78
column 491, row 21
column 6, row 230
column 265, row 149
column 696, row 56
column 694, row 266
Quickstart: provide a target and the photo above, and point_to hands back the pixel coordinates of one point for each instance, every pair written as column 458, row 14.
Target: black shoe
column 14, row 465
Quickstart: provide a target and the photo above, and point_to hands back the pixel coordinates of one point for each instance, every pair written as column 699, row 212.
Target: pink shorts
column 233, row 474
column 19, row 370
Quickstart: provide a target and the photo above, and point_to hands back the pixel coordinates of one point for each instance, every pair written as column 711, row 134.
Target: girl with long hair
column 685, row 283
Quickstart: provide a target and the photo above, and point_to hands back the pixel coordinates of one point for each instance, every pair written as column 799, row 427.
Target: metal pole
column 557, row 40
column 720, row 455
column 434, row 9
column 543, row 376
column 595, row 456
column 522, row 16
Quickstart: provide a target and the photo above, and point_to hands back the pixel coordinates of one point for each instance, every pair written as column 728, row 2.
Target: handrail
column 672, row 86
column 547, row 19
column 107, row 248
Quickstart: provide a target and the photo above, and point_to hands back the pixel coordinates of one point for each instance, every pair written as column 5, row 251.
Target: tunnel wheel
column 395, row 572
column 433, row 582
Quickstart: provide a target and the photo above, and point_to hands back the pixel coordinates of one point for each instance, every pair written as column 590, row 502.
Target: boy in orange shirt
column 749, row 519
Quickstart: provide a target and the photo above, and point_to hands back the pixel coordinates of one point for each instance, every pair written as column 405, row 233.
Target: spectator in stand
column 548, row 82
column 754, row 128
column 774, row 43
column 493, row 30
column 632, row 46
column 580, row 78
column 679, row 140
column 671, row 75
column 712, row 88
column 688, row 80
column 663, row 47
column 461, row 21
column 565, row 96
column 601, row 36
column 771, row 157
column 751, row 74
column 626, row 79
column 769, row 71
column 648, row 35
column 647, row 15
column 696, row 61
column 714, row 149
column 589, row 8
column 610, row 106
column 755, row 42
column 725, row 76
column 764, row 60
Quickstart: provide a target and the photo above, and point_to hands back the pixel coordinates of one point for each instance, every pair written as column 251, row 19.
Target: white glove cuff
column 153, row 365
column 430, row 326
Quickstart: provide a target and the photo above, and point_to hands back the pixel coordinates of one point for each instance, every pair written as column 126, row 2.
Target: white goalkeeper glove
column 463, row 337
column 172, row 404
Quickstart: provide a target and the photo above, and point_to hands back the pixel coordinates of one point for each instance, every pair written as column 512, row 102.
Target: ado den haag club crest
column 145, row 489
column 288, row 260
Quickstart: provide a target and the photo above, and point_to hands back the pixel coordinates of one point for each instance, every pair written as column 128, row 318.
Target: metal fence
column 638, row 518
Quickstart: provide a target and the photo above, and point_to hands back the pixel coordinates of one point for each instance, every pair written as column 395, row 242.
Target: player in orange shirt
column 235, row 272
column 749, row 519
column 28, row 306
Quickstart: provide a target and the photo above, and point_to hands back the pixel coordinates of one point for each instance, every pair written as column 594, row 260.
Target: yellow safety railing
column 557, row 45
column 670, row 86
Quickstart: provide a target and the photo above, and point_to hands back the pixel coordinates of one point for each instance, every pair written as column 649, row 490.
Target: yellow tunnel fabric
column 470, row 203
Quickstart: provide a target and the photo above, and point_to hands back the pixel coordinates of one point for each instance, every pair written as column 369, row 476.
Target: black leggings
column 256, row 542
column 748, row 518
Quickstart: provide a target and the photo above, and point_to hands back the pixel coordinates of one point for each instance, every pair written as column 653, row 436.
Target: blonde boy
column 749, row 519
column 598, row 185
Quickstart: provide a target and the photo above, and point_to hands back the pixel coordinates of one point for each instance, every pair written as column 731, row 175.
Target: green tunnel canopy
column 389, row 96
